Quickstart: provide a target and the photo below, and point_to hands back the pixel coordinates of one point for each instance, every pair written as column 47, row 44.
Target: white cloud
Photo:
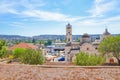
column 101, row 7
column 25, row 8
column 7, row 8
column 97, row 26
column 49, row 16
column 17, row 24
column 98, row 1
column 15, row 7
column 113, row 19
column 66, row 2
column 31, row 10
column 98, row 22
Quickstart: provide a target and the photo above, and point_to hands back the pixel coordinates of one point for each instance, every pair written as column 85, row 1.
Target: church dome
column 69, row 26
column 85, row 35
column 106, row 32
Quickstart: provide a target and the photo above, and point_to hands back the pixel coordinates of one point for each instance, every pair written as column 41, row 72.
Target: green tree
column 84, row 59
column 27, row 56
column 111, row 45
column 33, row 41
column 2, row 43
column 32, row 57
column 18, row 52
column 78, row 40
column 48, row 42
column 41, row 42
column 63, row 40
column 16, row 41
column 3, row 49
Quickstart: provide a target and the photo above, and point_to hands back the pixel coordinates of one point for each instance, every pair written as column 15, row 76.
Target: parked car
column 61, row 59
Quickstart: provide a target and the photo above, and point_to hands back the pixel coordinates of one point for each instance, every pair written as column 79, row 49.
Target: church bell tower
column 69, row 33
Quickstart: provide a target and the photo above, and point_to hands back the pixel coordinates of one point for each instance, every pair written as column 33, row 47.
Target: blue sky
column 37, row 17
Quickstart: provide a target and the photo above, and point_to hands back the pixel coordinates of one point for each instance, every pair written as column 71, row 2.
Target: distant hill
column 13, row 37
column 61, row 37
column 45, row 37
column 49, row 37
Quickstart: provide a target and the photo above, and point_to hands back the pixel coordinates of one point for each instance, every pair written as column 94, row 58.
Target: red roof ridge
column 23, row 45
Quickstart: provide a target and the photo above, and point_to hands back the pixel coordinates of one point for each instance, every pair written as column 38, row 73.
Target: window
column 96, row 48
column 68, row 33
column 68, row 39
column 87, row 48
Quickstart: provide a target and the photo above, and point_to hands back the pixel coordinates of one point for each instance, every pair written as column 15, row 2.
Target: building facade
column 85, row 44
column 69, row 33
column 105, row 35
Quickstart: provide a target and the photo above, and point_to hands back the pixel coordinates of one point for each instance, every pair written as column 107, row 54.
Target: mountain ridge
column 45, row 37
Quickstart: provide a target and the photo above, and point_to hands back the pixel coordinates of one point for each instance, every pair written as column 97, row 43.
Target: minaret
column 69, row 33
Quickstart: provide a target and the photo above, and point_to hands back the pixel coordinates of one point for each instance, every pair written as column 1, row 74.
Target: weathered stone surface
column 26, row 72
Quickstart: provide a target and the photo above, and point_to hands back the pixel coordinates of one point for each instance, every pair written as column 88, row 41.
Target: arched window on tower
column 68, row 39
column 68, row 33
column 87, row 49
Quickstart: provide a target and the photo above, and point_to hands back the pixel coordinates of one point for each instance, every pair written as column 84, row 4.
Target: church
column 85, row 45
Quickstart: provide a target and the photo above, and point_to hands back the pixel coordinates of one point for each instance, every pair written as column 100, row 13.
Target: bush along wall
column 84, row 59
column 29, row 56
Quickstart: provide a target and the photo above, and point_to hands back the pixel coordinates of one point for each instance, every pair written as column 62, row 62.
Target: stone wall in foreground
column 26, row 72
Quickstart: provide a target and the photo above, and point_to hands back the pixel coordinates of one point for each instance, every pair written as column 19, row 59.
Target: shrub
column 32, row 57
column 10, row 58
column 3, row 49
column 3, row 52
column 84, row 59
column 18, row 52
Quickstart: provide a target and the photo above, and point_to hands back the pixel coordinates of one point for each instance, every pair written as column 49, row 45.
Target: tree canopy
column 84, row 59
column 2, row 43
column 111, row 45
column 2, row 48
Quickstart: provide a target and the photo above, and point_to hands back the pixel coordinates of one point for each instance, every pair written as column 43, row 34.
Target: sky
column 39, row 17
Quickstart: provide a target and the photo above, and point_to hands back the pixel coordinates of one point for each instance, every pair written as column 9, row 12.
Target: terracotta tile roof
column 23, row 45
